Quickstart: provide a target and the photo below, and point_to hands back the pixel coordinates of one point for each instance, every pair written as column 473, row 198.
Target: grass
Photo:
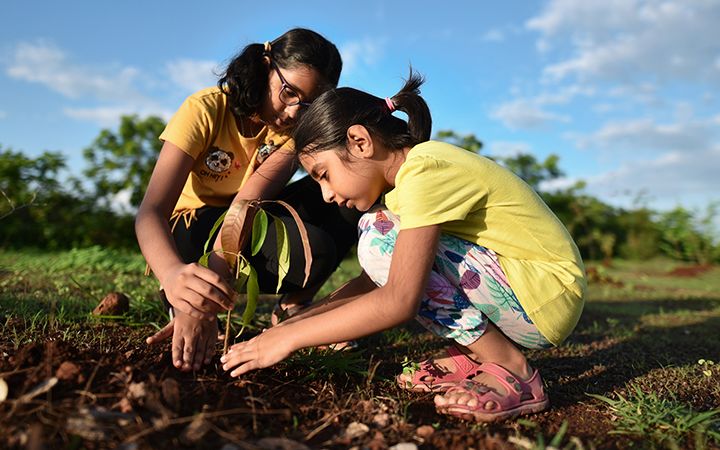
column 638, row 364
column 665, row 420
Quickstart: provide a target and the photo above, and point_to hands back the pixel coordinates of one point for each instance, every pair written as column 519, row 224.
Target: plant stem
column 227, row 332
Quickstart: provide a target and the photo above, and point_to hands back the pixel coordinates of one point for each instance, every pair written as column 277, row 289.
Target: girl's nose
column 327, row 193
column 292, row 111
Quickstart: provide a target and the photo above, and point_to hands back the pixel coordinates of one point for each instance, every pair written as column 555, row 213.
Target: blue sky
column 625, row 91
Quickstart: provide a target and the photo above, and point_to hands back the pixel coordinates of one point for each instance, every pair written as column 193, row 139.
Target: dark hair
column 324, row 125
column 245, row 81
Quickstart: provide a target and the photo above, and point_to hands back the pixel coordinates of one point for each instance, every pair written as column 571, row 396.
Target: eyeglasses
column 287, row 94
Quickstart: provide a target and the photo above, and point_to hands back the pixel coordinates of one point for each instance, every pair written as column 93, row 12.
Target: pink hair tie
column 390, row 104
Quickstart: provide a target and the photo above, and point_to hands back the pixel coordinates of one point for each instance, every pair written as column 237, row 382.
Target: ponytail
column 409, row 101
column 245, row 81
column 324, row 125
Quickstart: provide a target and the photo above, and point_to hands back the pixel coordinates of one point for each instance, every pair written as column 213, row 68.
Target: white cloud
column 109, row 116
column 192, row 75
column 625, row 40
column 531, row 112
column 3, row 114
column 494, row 35
column 646, row 134
column 366, row 51
column 686, row 178
column 46, row 64
column 525, row 113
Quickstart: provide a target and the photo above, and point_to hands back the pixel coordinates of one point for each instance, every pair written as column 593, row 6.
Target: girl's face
column 290, row 90
column 354, row 184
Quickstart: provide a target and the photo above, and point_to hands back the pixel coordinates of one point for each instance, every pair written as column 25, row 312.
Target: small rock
column 356, row 429
column 125, row 406
column 425, row 431
column 381, row 419
column 114, row 304
column 69, row 371
column 137, row 391
column 404, row 446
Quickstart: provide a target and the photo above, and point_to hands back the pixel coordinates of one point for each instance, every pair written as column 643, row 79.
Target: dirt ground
column 112, row 391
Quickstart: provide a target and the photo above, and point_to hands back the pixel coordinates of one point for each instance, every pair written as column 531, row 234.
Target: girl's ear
column 359, row 142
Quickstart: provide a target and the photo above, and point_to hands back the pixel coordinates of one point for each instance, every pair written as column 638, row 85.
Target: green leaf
column 253, row 292
column 242, row 273
column 283, row 251
column 217, row 224
column 203, row 261
column 259, row 231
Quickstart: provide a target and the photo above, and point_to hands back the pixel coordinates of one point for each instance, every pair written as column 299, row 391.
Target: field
column 637, row 372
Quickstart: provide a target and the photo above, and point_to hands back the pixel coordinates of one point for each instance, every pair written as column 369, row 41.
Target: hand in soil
column 193, row 340
column 198, row 292
column 264, row 350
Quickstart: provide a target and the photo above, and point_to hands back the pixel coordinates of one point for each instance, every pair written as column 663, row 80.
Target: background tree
column 124, row 160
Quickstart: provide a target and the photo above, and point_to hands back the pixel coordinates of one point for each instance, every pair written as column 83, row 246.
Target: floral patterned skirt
column 466, row 289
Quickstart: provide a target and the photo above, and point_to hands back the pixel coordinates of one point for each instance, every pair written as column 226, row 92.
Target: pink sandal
column 522, row 397
column 432, row 378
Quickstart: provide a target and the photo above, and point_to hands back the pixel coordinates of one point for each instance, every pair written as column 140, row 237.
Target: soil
column 690, row 271
column 112, row 391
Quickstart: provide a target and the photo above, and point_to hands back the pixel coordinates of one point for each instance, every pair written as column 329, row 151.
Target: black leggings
column 332, row 231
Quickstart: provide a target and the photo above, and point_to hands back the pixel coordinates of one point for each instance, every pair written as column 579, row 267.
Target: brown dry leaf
column 197, row 429
column 171, row 393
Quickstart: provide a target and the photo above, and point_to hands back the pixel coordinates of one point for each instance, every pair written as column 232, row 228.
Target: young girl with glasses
column 230, row 142
column 463, row 245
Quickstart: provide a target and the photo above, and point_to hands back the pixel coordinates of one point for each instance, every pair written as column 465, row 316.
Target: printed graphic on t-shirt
column 217, row 164
column 265, row 150
column 218, row 160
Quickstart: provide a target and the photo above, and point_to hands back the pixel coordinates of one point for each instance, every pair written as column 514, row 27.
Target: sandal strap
column 465, row 368
column 514, row 386
column 507, row 379
column 464, row 364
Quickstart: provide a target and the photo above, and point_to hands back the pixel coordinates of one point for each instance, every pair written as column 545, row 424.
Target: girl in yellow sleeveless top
column 462, row 245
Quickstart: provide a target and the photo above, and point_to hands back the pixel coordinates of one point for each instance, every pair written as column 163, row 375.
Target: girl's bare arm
column 378, row 310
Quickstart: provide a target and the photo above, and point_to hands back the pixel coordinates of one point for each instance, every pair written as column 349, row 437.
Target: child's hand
column 193, row 340
column 198, row 292
column 264, row 350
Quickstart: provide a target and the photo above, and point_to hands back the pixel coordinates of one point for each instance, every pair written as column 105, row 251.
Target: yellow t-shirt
column 480, row 201
column 204, row 127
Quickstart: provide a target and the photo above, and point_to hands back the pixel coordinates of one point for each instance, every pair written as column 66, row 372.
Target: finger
column 209, row 350
column 161, row 335
column 213, row 286
column 188, row 308
column 207, row 298
column 188, row 354
column 177, row 346
column 200, row 348
column 245, row 368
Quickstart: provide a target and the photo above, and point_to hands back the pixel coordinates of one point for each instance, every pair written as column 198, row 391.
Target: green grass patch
column 665, row 420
